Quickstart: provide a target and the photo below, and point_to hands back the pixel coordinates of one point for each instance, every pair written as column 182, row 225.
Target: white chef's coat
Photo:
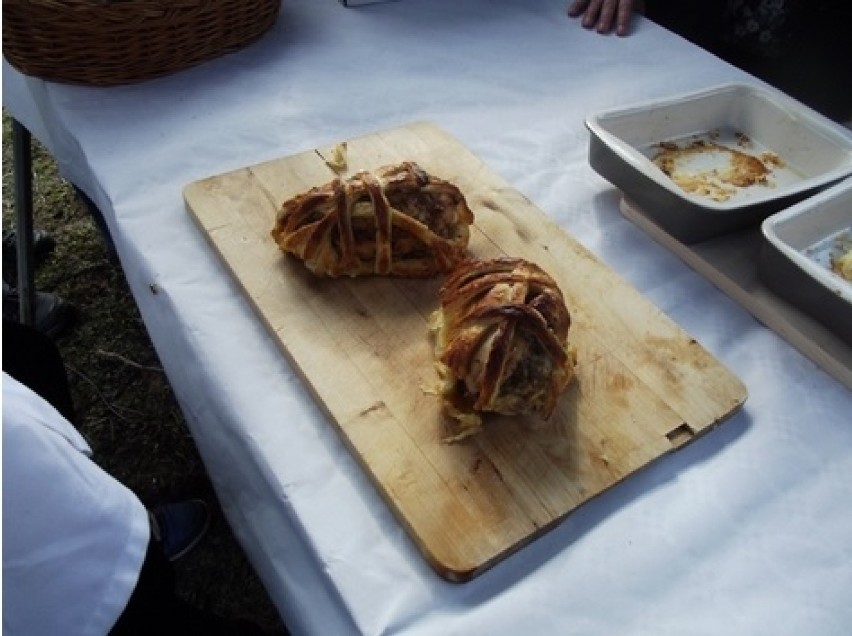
column 74, row 538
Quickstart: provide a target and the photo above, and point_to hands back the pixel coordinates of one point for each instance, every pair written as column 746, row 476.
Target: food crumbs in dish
column 703, row 166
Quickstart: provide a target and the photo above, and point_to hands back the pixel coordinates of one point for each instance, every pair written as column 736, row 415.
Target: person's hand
column 601, row 15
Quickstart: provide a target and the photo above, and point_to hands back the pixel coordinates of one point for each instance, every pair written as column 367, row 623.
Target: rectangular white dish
column 703, row 139
column 801, row 252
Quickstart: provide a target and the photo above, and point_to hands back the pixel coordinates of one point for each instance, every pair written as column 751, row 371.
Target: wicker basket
column 108, row 42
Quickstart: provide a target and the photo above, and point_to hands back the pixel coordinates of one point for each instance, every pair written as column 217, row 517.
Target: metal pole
column 23, row 167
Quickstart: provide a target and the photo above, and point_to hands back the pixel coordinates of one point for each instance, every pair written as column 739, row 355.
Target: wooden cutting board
column 730, row 262
column 644, row 387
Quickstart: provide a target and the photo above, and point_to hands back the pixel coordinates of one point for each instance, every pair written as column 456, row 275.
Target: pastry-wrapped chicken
column 501, row 342
column 397, row 221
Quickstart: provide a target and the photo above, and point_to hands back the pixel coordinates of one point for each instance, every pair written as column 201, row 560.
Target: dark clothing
column 33, row 360
column 154, row 608
column 799, row 46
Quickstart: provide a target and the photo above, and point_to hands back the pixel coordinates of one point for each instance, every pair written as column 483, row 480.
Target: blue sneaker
column 178, row 527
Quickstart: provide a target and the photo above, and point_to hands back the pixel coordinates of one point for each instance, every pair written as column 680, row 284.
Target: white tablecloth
column 748, row 530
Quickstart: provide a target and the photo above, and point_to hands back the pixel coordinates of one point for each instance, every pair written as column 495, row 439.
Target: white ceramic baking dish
column 800, row 245
column 809, row 152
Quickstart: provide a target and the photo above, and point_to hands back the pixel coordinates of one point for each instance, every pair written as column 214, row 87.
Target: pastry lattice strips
column 396, row 221
column 501, row 342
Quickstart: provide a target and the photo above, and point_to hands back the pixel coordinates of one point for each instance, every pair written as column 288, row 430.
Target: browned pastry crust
column 397, row 221
column 501, row 342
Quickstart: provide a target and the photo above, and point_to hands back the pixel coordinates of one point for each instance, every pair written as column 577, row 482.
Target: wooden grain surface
column 644, row 387
column 730, row 263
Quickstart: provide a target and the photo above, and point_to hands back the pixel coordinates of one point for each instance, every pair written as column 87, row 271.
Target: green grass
column 124, row 404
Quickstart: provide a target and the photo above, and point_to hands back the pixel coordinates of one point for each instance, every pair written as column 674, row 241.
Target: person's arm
column 602, row 15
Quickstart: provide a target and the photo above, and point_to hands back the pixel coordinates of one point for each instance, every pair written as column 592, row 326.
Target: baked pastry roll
column 397, row 221
column 501, row 342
